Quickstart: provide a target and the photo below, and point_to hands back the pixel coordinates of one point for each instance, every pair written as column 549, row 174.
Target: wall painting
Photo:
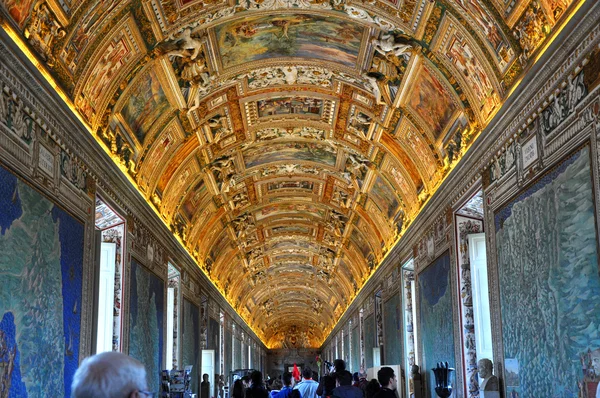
column 369, row 333
column 41, row 269
column 392, row 342
column 190, row 327
column 146, row 310
column 355, row 354
column 552, row 343
column 436, row 329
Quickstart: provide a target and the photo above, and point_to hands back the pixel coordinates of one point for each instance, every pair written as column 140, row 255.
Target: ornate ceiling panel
column 287, row 143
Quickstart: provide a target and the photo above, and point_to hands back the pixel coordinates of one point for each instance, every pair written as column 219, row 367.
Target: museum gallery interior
column 253, row 184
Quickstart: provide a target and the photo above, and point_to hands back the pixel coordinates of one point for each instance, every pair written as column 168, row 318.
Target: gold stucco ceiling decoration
column 287, row 144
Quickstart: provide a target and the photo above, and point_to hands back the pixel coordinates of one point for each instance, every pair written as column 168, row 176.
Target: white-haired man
column 110, row 375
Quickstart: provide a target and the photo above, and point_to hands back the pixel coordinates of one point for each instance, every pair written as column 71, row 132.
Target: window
column 481, row 301
column 110, row 233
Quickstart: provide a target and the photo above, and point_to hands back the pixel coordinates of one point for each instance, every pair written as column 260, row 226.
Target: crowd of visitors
column 116, row 375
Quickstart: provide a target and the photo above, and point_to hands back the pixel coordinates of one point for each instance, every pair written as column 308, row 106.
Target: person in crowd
column 221, row 386
column 276, row 386
column 387, row 379
column 110, row 375
column 355, row 379
column 345, row 389
column 372, row 388
column 257, row 388
column 362, row 381
column 329, row 385
column 307, row 387
column 246, row 381
column 338, row 365
column 285, row 391
column 295, row 394
column 205, row 387
column 238, row 390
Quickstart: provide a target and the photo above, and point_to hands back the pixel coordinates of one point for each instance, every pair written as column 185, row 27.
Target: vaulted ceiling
column 287, row 143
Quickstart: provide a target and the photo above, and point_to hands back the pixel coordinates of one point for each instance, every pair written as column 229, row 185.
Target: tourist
column 257, row 388
column 307, row 387
column 110, row 375
column 344, row 388
column 388, row 381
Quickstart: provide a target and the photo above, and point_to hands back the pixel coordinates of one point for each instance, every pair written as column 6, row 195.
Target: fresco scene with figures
column 216, row 187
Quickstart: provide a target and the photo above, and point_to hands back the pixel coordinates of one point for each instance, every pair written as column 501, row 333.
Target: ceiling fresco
column 287, row 143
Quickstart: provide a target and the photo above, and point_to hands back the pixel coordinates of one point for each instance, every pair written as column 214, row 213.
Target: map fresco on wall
column 254, row 38
column 369, row 335
column 227, row 357
column 146, row 309
column 41, row 269
column 346, row 348
column 355, row 349
column 437, row 336
column 190, row 338
column 392, row 338
column 237, row 349
column 213, row 341
column 555, row 338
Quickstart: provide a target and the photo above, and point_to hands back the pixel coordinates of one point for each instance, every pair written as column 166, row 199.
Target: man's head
column 595, row 356
column 362, row 375
column 246, row 381
column 484, row 367
column 256, row 378
column 205, row 377
column 387, row 378
column 339, row 364
column 109, row 374
column 307, row 373
column 287, row 379
column 343, row 378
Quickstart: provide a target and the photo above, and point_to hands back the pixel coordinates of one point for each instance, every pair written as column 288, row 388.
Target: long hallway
column 243, row 184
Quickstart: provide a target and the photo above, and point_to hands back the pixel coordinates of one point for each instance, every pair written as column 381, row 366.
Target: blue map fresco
column 40, row 301
column 392, row 337
column 191, row 340
column 369, row 336
column 213, row 340
column 355, row 349
column 549, row 282
column 146, row 321
column 436, row 330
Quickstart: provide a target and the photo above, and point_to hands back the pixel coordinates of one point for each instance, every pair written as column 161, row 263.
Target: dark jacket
column 386, row 393
column 257, row 392
column 347, row 392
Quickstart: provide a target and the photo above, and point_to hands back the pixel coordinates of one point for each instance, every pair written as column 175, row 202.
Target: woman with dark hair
column 372, row 388
column 328, row 386
column 257, row 389
column 238, row 389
